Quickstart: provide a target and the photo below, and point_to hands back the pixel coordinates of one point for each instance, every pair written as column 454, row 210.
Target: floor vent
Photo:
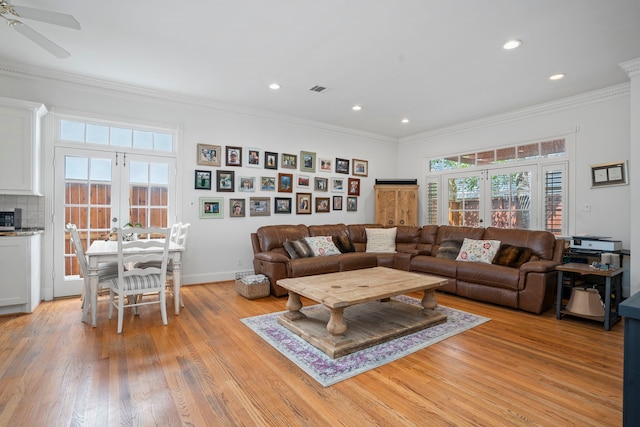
column 318, row 89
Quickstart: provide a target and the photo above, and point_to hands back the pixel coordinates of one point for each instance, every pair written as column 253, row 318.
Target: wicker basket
column 252, row 290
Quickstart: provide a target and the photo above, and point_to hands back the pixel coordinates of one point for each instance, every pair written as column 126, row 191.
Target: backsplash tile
column 32, row 209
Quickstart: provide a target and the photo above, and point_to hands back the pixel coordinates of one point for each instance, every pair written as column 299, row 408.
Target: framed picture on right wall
column 352, row 204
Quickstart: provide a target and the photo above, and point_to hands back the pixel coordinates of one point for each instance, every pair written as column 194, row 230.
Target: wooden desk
column 102, row 251
column 611, row 316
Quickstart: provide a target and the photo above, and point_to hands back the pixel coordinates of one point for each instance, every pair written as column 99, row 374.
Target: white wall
column 217, row 247
column 597, row 124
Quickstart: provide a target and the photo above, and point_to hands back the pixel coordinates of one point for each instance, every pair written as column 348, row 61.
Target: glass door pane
column 464, row 199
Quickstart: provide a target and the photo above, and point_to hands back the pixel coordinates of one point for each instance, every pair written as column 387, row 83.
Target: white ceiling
column 437, row 63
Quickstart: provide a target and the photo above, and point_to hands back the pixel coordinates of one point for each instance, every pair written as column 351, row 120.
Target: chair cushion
column 150, row 281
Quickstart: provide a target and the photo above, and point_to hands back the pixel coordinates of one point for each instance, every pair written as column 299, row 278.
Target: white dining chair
column 180, row 239
column 151, row 249
column 106, row 270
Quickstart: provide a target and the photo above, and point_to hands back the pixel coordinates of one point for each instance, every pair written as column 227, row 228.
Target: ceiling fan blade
column 47, row 16
column 38, row 38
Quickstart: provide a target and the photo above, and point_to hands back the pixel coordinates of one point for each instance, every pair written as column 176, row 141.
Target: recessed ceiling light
column 557, row 76
column 356, row 107
column 405, row 120
column 511, row 44
column 274, row 86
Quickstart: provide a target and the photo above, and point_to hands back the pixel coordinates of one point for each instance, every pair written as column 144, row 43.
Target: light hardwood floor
column 207, row 369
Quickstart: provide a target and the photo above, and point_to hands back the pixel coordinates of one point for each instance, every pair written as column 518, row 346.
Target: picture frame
column 303, row 181
column 307, row 161
column 209, row 155
column 303, row 203
column 233, row 156
column 325, row 165
column 609, row 174
column 352, row 204
column 322, row 204
column 259, row 206
column 270, row 160
column 342, row 165
column 289, row 161
column 353, row 186
column 320, row 184
column 268, row 183
column 237, row 208
column 254, row 158
column 337, row 203
column 359, row 167
column 211, row 207
column 285, row 182
column 225, row 181
column 282, row 205
column 247, row 183
column 202, row 180
column 337, row 185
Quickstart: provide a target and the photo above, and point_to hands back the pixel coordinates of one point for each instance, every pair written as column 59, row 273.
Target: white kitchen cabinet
column 20, row 273
column 20, row 123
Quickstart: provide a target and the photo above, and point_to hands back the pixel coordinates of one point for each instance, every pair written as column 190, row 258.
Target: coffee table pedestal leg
column 337, row 325
column 429, row 301
column 294, row 305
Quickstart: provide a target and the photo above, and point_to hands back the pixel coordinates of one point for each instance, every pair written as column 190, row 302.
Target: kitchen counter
column 22, row 232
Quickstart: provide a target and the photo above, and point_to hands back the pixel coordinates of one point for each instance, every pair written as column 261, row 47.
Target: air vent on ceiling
column 318, row 89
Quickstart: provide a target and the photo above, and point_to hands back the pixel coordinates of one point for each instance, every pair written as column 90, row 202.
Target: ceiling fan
column 13, row 14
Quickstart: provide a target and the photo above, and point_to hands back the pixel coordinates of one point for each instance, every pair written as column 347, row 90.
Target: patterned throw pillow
column 449, row 249
column 322, row 245
column 344, row 243
column 512, row 256
column 381, row 239
column 478, row 250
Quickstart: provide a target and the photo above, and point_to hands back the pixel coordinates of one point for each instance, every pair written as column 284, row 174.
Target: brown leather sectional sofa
column 529, row 287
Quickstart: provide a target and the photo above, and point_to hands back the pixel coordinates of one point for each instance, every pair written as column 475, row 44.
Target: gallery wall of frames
column 302, row 183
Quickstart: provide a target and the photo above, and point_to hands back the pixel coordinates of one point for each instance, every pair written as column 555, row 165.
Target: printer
column 595, row 244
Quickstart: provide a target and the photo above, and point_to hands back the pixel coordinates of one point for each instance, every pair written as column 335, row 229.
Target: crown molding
column 632, row 67
column 593, row 97
column 24, row 71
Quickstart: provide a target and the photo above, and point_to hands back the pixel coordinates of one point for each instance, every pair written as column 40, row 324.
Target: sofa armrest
column 542, row 266
column 271, row 257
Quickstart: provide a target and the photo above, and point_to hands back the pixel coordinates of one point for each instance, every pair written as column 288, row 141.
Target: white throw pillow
column 381, row 239
column 322, row 245
column 478, row 250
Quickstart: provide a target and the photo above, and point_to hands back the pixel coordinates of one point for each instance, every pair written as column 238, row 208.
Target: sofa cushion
column 322, row 245
column 436, row 266
column 344, row 243
column 358, row 235
column 541, row 243
column 381, row 240
column 512, row 256
column 298, row 249
column 478, row 250
column 273, row 236
column 449, row 249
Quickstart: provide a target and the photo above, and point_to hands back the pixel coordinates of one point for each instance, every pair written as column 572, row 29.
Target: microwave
column 10, row 219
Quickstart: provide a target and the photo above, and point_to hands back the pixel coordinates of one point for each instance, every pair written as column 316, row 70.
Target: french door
column 101, row 190
column 493, row 197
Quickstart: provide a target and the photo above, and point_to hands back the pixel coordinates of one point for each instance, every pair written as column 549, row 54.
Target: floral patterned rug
column 328, row 371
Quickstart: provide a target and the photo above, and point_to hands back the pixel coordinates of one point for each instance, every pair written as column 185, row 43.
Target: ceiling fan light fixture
column 512, row 44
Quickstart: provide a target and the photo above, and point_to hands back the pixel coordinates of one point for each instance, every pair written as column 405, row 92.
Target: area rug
column 328, row 371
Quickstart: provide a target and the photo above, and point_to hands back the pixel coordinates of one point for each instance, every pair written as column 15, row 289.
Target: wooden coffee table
column 373, row 317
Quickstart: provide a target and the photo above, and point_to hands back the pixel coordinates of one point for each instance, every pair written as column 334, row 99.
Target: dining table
column 107, row 251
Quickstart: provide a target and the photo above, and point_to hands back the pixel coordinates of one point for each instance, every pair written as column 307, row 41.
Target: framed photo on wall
column 254, row 157
column 285, row 182
column 337, row 185
column 247, row 183
column 607, row 174
column 211, row 207
column 360, row 167
column 268, row 183
column 322, row 204
column 289, row 161
column 209, row 155
column 342, row 165
column 337, row 203
column 270, row 160
column 353, row 187
column 325, row 165
column 307, row 161
column 236, row 208
column 225, row 180
column 234, row 156
column 303, row 181
column 260, row 206
column 303, row 203
column 321, row 184
column 352, row 204
column 282, row 205
column 202, row 180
